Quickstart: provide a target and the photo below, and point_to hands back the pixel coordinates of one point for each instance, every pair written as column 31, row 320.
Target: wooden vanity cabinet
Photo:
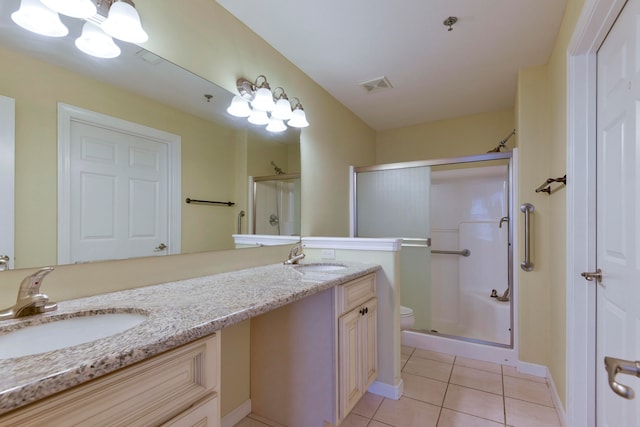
column 312, row 360
column 177, row 388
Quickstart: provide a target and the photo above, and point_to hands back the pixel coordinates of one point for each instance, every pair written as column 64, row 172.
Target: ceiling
column 435, row 73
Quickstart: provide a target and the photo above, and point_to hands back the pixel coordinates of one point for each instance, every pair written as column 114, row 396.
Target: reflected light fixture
column 261, row 106
column 109, row 18
column 96, row 42
column 37, row 18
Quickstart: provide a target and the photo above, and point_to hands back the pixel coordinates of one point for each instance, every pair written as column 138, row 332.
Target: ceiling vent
column 377, row 85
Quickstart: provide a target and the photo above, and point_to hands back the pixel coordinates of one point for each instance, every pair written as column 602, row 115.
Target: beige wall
column 463, row 136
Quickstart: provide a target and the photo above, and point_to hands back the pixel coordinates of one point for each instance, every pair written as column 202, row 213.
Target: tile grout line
column 504, row 400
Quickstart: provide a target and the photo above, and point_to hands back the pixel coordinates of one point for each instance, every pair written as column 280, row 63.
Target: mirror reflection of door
column 117, row 194
column 7, row 155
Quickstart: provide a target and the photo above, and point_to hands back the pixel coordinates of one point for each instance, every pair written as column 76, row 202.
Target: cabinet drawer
column 205, row 413
column 354, row 293
column 147, row 393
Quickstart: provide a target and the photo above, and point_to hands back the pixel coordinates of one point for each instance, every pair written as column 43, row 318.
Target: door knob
column 590, row 276
column 618, row 366
column 160, row 247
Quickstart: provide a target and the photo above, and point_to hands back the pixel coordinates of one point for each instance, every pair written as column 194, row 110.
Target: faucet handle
column 30, row 285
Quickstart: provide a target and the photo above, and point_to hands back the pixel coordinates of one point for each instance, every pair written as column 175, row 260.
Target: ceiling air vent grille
column 376, row 85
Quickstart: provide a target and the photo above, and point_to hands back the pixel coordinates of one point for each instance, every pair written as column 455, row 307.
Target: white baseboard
column 387, row 390
column 543, row 371
column 556, row 400
column 235, row 416
column 533, row 369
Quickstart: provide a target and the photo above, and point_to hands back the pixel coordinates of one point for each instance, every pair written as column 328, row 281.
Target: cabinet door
column 370, row 343
column 350, row 366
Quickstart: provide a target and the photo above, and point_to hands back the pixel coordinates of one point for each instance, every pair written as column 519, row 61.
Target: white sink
column 65, row 333
column 321, row 267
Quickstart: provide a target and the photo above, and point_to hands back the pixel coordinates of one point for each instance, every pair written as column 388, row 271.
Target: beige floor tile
column 449, row 418
column 424, row 389
column 479, row 364
column 368, row 405
column 263, row 420
column 403, row 360
column 354, row 420
column 474, row 378
column 250, row 422
column 475, row 402
column 434, row 355
column 428, row 368
column 530, row 391
column 526, row 414
column 511, row 371
column 406, row 350
column 375, row 423
column 407, row 412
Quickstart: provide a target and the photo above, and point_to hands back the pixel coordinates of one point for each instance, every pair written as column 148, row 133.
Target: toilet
column 407, row 320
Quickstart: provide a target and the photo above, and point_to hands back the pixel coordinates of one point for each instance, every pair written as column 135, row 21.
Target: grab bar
column 527, row 209
column 240, row 215
column 464, row 252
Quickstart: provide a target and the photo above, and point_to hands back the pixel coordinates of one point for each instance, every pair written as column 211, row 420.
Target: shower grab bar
column 240, row 215
column 527, row 209
column 464, row 252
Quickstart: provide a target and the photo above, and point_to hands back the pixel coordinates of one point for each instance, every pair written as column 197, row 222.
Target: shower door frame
column 511, row 157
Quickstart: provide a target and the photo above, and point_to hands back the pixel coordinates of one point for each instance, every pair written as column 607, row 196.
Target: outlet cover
column 328, row 254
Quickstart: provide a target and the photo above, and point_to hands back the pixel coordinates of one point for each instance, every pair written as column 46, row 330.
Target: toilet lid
column 405, row 311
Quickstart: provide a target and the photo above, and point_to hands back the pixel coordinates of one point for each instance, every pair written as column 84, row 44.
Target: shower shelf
column 545, row 187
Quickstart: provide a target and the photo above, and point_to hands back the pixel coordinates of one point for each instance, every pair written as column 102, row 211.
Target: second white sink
column 65, row 333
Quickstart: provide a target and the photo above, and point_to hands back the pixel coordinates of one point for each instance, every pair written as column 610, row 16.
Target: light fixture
column 96, row 42
column 239, row 107
column 35, row 17
column 123, row 23
column 276, row 125
column 298, row 116
column 258, row 117
column 109, row 18
column 263, row 98
column 269, row 108
column 82, row 9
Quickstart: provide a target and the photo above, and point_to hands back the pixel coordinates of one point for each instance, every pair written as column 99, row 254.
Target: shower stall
column 274, row 205
column 455, row 218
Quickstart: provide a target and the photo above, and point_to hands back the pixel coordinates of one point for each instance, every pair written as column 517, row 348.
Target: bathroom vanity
column 167, row 369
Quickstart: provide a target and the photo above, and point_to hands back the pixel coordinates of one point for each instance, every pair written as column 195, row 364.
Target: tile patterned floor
column 442, row 390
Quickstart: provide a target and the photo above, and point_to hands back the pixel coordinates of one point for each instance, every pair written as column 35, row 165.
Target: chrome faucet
column 295, row 255
column 30, row 300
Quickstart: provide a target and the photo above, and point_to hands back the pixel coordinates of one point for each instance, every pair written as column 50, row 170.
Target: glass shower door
column 396, row 203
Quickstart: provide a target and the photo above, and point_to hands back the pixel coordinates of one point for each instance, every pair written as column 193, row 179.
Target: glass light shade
column 239, row 107
column 258, row 117
column 263, row 100
column 123, row 23
column 298, row 119
column 95, row 42
column 282, row 110
column 75, row 8
column 35, row 17
column 276, row 125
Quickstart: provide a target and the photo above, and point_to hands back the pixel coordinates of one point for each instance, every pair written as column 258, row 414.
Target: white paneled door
column 119, row 193
column 618, row 221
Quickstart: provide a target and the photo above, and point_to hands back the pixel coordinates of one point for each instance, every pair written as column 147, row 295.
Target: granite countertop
column 178, row 313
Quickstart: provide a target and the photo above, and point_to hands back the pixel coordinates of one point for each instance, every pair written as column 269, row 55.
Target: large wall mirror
column 218, row 157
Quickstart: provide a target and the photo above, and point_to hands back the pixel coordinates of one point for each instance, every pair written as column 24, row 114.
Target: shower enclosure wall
column 455, row 219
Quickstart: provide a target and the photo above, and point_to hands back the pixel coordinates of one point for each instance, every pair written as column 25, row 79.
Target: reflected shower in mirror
column 217, row 153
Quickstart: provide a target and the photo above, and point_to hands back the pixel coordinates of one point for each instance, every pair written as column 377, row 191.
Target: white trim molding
column 264, row 240
column 7, row 176
column 594, row 23
column 387, row 390
column 236, row 415
column 353, row 243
